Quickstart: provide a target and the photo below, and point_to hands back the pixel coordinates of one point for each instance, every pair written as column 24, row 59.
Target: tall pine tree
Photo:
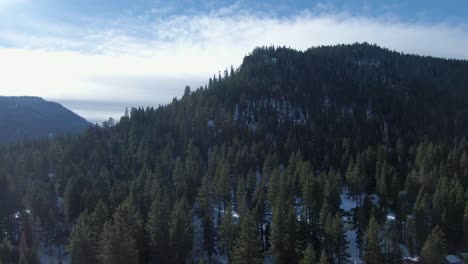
column 247, row 247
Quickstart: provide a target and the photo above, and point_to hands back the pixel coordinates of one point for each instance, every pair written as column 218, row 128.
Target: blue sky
column 99, row 56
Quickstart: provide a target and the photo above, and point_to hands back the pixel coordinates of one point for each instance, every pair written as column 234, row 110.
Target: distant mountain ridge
column 29, row 117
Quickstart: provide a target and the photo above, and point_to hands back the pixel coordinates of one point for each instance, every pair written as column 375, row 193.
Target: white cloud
column 153, row 60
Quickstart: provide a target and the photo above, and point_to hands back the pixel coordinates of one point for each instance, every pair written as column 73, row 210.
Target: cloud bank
column 148, row 60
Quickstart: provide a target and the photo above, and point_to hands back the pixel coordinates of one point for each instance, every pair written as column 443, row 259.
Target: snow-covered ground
column 353, row 250
column 347, row 201
column 390, row 216
column 347, row 205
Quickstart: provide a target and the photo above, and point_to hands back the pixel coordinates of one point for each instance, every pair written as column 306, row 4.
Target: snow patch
column 347, row 202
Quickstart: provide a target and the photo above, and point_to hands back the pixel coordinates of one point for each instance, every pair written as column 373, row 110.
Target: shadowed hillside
column 33, row 117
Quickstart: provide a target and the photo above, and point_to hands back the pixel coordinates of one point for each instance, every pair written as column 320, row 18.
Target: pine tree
column 180, row 178
column 349, row 174
column 268, row 167
column 37, row 234
column 278, row 233
column 274, row 186
column 283, row 225
column 97, row 220
column 241, row 195
column 410, row 235
column 395, row 188
column 324, row 258
column 222, row 183
column 422, row 217
column 120, row 240
column 81, row 244
column 181, row 231
column 208, row 233
column 465, row 225
column 72, row 199
column 309, row 256
column 464, row 161
column 105, row 245
column 23, row 258
column 259, row 210
column 5, row 251
column 440, row 200
column 23, row 248
column 226, row 230
column 310, row 192
column 247, row 247
column 291, row 253
column 157, row 228
column 391, row 242
column 193, row 168
column 120, row 246
column 372, row 252
column 381, row 185
column 435, row 247
column 340, row 242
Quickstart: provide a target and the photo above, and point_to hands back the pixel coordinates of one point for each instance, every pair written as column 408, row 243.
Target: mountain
column 33, row 117
column 347, row 152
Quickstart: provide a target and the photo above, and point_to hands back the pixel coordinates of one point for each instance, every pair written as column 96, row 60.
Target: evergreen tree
column 222, row 183
column 274, row 187
column 81, row 244
column 259, row 210
column 208, row 233
column 193, row 163
column 226, row 230
column 119, row 240
column 340, row 242
column 435, row 247
column 310, row 191
column 23, row 258
column 284, row 226
column 6, row 251
column 422, row 217
column 247, row 247
column 181, row 231
column 324, row 258
column 465, row 225
column 410, row 235
column 105, row 245
column 391, row 242
column 119, row 246
column 97, row 220
column 309, row 256
column 372, row 250
column 291, row 251
column 179, row 178
column 72, row 199
column 157, row 228
column 37, row 235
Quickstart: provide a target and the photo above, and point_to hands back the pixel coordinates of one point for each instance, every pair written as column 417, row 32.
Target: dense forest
column 29, row 117
column 330, row 155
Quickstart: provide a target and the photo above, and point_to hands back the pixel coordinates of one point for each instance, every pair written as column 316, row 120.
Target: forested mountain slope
column 32, row 117
column 350, row 152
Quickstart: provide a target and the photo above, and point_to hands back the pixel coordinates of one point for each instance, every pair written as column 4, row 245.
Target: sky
column 97, row 57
